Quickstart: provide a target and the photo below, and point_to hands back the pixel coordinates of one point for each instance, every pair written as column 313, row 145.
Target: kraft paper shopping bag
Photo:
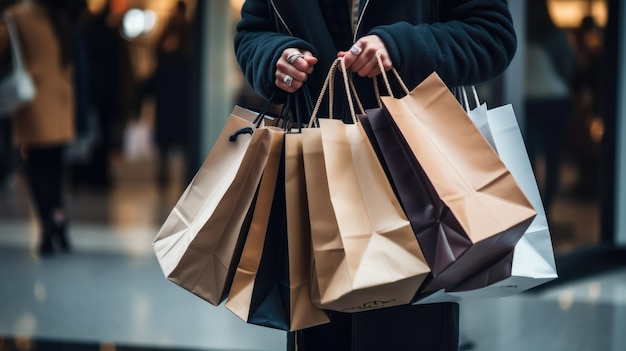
column 271, row 285
column 303, row 312
column 255, row 294
column 435, row 227
column 198, row 245
column 366, row 255
column 483, row 212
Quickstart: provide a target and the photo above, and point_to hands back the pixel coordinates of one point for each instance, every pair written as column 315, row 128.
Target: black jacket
column 464, row 41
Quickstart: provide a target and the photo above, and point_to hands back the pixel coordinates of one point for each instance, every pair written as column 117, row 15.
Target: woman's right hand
column 293, row 68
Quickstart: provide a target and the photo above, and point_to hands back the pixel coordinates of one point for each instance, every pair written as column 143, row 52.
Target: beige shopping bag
column 199, row 244
column 255, row 295
column 366, row 255
column 271, row 284
column 468, row 178
column 303, row 312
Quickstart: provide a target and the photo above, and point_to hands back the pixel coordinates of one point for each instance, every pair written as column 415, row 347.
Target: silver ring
column 293, row 57
column 355, row 49
column 287, row 79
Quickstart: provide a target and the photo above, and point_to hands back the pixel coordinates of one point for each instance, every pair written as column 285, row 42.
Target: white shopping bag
column 479, row 116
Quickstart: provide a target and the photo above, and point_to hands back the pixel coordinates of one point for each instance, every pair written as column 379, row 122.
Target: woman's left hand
column 361, row 58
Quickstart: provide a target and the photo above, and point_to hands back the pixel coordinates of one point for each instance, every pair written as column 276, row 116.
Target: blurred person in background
column 80, row 153
column 586, row 133
column 112, row 91
column 550, row 70
column 170, row 87
column 43, row 127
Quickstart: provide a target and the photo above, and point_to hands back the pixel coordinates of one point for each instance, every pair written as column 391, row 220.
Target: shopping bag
column 138, row 142
column 532, row 261
column 271, row 284
column 365, row 253
column 259, row 288
column 434, row 225
column 303, row 312
column 478, row 115
column 482, row 211
column 17, row 87
column 199, row 244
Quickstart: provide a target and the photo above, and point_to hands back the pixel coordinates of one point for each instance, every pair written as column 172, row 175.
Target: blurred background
column 162, row 80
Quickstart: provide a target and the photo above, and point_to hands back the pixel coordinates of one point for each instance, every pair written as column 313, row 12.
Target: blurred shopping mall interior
column 125, row 173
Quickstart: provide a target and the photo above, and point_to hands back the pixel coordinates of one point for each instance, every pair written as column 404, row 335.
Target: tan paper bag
column 366, row 255
column 199, row 244
column 253, row 284
column 467, row 175
column 303, row 312
column 271, row 283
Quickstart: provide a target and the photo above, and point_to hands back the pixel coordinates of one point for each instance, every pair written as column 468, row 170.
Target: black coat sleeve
column 472, row 41
column 260, row 40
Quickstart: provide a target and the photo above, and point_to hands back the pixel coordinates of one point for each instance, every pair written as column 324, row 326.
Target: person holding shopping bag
column 281, row 44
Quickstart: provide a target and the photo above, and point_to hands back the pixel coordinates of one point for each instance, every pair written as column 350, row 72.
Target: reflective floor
column 110, row 294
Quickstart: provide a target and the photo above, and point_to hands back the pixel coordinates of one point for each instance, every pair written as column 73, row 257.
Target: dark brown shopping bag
column 365, row 253
column 199, row 243
column 477, row 211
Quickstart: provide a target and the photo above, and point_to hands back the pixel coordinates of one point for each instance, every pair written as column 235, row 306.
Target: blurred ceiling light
column 569, row 13
column 150, row 20
column 137, row 22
